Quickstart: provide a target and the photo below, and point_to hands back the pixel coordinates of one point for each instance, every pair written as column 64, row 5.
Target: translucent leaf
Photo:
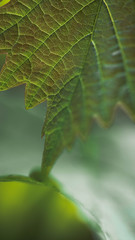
column 79, row 56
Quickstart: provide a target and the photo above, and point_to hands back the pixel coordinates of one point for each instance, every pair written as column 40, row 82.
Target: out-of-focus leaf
column 30, row 212
column 78, row 55
column 35, row 177
column 19, row 178
column 3, row 2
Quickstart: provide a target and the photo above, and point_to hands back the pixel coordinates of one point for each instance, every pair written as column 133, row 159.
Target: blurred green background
column 98, row 174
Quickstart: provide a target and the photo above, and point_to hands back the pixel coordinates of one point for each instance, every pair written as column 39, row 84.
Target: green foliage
column 79, row 56
column 3, row 2
column 32, row 212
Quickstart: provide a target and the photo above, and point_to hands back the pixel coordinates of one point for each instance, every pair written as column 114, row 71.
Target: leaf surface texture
column 78, row 55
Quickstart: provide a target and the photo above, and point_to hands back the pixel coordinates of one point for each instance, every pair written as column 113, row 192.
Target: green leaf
column 79, row 55
column 30, row 211
column 3, row 2
column 19, row 178
column 30, row 180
